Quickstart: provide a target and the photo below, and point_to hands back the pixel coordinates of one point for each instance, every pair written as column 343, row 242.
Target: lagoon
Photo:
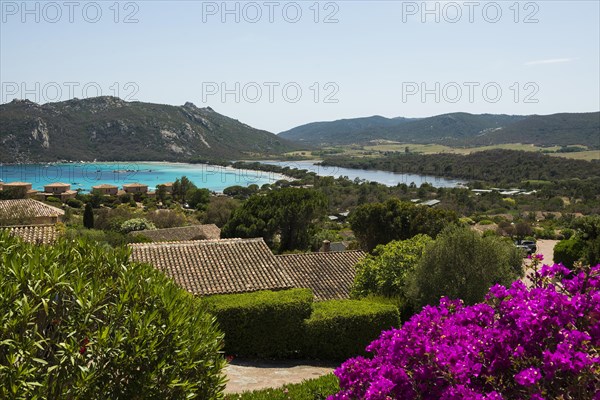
column 384, row 177
column 85, row 175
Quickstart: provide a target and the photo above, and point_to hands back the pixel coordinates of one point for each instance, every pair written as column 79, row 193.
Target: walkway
column 246, row 375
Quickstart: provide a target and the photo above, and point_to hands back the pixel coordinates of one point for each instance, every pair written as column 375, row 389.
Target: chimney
column 326, row 246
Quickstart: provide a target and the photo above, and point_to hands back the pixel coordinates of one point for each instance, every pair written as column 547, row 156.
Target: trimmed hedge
column 262, row 324
column 339, row 329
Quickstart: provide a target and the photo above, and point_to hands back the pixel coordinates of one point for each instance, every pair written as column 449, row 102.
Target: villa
column 106, row 190
column 23, row 189
column 207, row 267
column 225, row 266
column 183, row 233
column 168, row 187
column 28, row 211
column 133, row 188
column 58, row 189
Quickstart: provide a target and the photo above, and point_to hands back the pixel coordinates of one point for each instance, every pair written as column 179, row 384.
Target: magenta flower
column 544, row 338
column 528, row 377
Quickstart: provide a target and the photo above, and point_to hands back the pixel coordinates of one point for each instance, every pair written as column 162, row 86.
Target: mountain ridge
column 110, row 129
column 459, row 129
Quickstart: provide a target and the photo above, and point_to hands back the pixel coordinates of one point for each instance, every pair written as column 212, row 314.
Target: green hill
column 110, row 129
column 460, row 129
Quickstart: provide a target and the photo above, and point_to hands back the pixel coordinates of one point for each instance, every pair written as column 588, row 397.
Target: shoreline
column 131, row 167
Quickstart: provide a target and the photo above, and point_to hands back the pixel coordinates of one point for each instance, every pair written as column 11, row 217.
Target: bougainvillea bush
column 536, row 342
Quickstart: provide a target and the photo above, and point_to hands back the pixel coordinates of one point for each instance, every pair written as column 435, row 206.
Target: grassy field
column 383, row 147
column 438, row 148
column 580, row 155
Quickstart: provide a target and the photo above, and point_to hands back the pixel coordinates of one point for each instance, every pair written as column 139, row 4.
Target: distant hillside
column 110, row 129
column 556, row 129
column 344, row 131
column 461, row 129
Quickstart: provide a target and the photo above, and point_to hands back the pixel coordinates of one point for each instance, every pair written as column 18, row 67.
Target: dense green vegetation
column 81, row 321
column 388, row 269
column 518, row 167
column 108, row 128
column 461, row 264
column 583, row 246
column 311, row 389
column 289, row 212
column 380, row 223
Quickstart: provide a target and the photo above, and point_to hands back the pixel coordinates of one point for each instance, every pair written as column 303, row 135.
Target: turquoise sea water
column 85, row 175
column 215, row 178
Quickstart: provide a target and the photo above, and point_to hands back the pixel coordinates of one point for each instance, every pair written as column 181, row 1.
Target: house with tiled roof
column 133, row 188
column 207, row 267
column 36, row 234
column 329, row 274
column 21, row 189
column 192, row 232
column 106, row 189
column 168, row 187
column 28, row 212
column 58, row 189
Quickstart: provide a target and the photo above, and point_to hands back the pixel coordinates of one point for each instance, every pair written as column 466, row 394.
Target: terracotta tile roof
column 132, row 185
column 37, row 234
column 17, row 184
column 57, row 184
column 205, row 267
column 105, row 186
column 27, row 207
column 330, row 275
column 193, row 232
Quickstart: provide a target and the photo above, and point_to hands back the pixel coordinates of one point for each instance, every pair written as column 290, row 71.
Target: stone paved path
column 246, row 375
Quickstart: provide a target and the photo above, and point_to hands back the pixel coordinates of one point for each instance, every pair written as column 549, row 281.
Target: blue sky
column 305, row 61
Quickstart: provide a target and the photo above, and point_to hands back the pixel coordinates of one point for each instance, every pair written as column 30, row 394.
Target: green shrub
column 339, row 329
column 486, row 222
column 461, row 264
column 567, row 233
column 385, row 272
column 310, row 389
column 74, row 203
column 136, row 224
column 80, row 321
column 569, row 251
column 262, row 324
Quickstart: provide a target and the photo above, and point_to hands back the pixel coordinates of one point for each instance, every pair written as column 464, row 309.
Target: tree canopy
column 380, row 223
column 388, row 270
column 288, row 212
column 461, row 264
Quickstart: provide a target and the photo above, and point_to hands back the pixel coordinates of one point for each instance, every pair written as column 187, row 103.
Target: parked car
column 528, row 246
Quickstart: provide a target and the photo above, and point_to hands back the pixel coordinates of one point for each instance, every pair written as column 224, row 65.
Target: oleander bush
column 79, row 320
column 539, row 342
column 263, row 324
column 338, row 329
